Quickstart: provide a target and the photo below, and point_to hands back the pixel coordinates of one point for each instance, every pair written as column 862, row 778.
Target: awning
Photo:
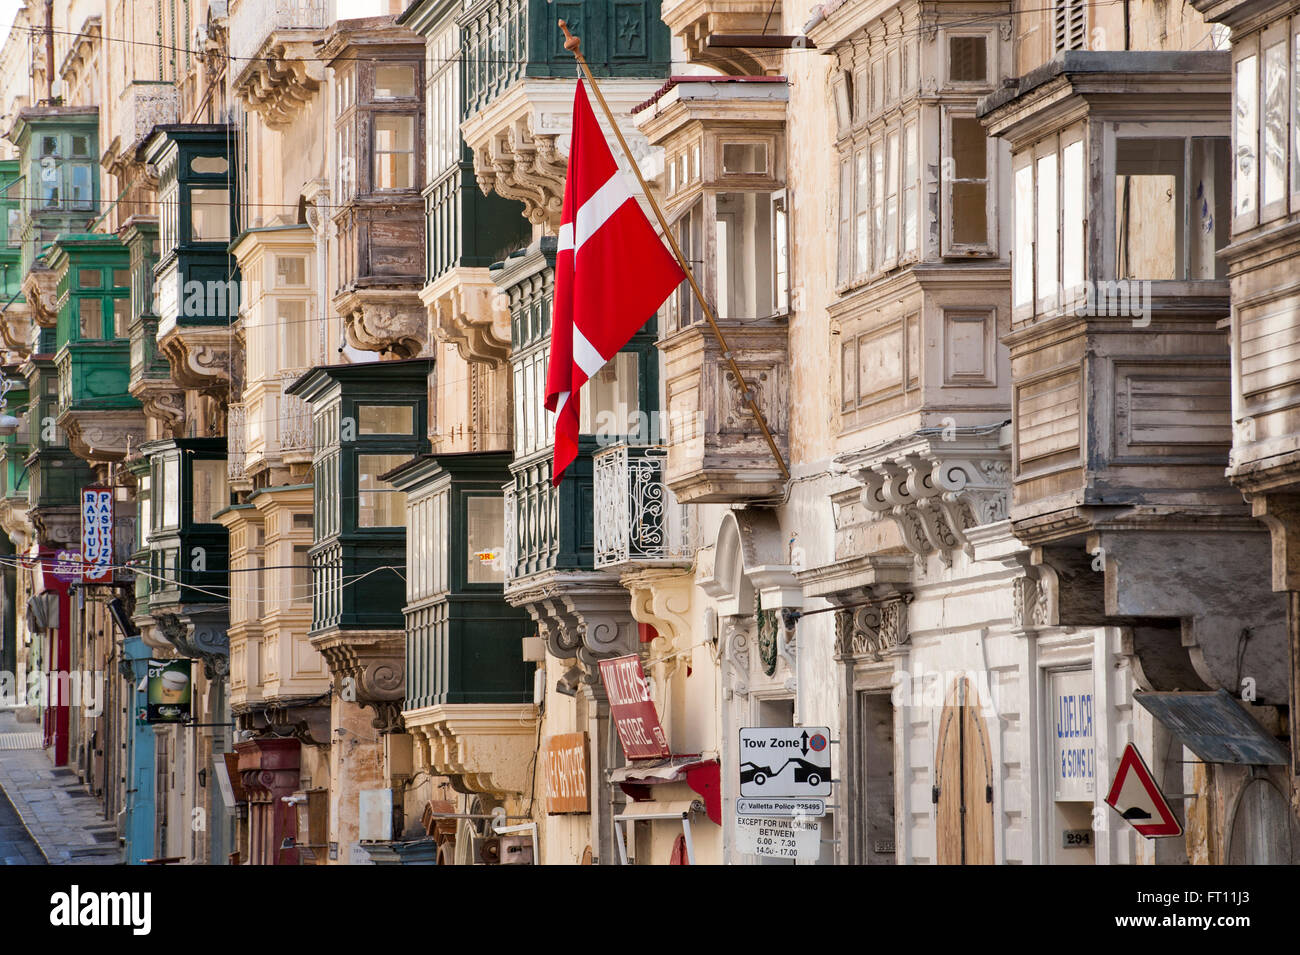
column 700, row 771
column 676, row 810
column 1215, row 727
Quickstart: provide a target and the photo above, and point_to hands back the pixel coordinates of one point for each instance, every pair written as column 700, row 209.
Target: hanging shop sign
column 565, row 760
column 97, row 535
column 1074, row 733
column 633, row 708
column 168, row 691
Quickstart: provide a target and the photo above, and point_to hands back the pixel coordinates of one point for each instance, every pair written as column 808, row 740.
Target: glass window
column 1275, row 122
column 968, row 167
column 300, row 580
column 1046, row 244
column 291, row 316
column 911, row 185
column 14, row 237
column 81, row 145
column 82, row 186
column 486, row 533
column 861, row 258
column 89, row 278
column 290, row 270
column 1072, row 214
column 780, row 255
column 210, row 492
column 612, row 403
column 121, row 317
column 170, row 491
column 967, row 60
column 394, row 152
column 49, row 146
column 744, row 267
column 209, row 215
column 394, row 82
column 742, row 159
column 684, row 308
column 90, row 315
column 1148, row 206
column 121, row 278
column 385, row 419
column 1245, row 130
column 145, row 523
column 845, row 269
column 378, row 503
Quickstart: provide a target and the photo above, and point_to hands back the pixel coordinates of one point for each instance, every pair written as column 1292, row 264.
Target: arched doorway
column 1261, row 831
column 963, row 782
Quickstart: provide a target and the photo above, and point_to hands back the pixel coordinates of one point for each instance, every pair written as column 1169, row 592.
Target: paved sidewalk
column 68, row 829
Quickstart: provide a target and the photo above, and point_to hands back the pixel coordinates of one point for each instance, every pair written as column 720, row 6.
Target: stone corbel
column 163, row 402
column 103, row 436
column 734, row 651
column 15, row 329
column 202, row 358
column 871, row 631
column 663, row 599
column 528, row 167
column 467, row 315
column 391, row 323
column 282, row 82
column 486, row 748
column 40, row 291
column 372, row 665
column 200, row 636
column 1280, row 513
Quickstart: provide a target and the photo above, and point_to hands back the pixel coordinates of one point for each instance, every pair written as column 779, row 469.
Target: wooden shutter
column 963, row 797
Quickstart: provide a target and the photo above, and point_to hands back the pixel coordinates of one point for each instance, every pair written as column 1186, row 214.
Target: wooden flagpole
column 573, row 45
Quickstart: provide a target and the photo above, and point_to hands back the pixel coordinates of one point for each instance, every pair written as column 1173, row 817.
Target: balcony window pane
column 1295, row 114
column 14, row 237
column 878, row 201
column 891, row 196
column 121, row 317
column 781, row 256
column 969, row 169
column 290, row 270
column 378, row 504
column 394, row 152
column 49, row 146
column 90, row 313
column 300, row 576
column 685, row 309
column 385, row 419
column 210, row 165
column 1275, row 110
column 121, row 278
column 1149, row 200
column 1245, row 130
column 845, row 265
column 291, row 317
column 967, row 62
column 1210, row 215
column 612, row 401
column 1045, row 246
column 911, row 180
column 394, row 82
column 210, row 492
column 862, row 227
column 171, row 492
column 81, row 145
column 210, row 215
column 82, row 186
column 743, row 159
column 486, row 521
column 1072, row 214
column 744, row 255
column 89, row 278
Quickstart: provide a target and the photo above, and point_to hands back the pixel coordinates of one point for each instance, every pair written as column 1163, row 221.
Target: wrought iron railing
column 252, row 21
column 637, row 518
column 236, row 441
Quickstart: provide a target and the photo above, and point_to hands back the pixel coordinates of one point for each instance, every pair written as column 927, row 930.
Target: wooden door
column 963, row 782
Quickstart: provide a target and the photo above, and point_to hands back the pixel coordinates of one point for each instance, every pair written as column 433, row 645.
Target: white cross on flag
column 612, row 272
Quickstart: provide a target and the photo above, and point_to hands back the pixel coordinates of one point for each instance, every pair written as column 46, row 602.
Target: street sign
column 781, row 807
column 785, row 762
column 97, row 534
column 1136, row 797
column 779, row 837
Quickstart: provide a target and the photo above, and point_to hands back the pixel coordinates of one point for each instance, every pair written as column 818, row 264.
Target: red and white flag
column 612, row 272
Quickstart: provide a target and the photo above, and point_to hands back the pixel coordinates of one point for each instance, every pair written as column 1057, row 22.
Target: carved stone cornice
column 484, row 748
column 467, row 310
column 58, row 527
column 694, row 21
column 163, row 402
column 204, row 358
column 103, row 436
column 370, row 666
column 200, row 634
column 40, row 290
column 392, row 322
column 580, row 614
column 281, row 81
column 936, row 486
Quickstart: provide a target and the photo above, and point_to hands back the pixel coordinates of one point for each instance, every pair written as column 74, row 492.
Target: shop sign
column 168, row 691
column 1074, row 732
column 565, row 760
column 97, row 534
column 633, row 709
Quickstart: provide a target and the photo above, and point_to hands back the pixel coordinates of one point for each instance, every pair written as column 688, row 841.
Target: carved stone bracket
column 663, row 598
column 936, row 489
column 40, row 291
column 484, row 748
column 205, row 358
column 200, row 634
column 734, row 649
column 467, row 310
column 163, row 402
column 871, row 631
column 15, row 329
column 694, row 21
column 518, row 163
column 1280, row 513
column 372, row 665
column 389, row 321
column 580, row 614
column 280, row 83
column 103, row 436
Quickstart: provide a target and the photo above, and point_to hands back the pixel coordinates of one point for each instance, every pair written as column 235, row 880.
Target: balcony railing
column 236, row 441
column 252, row 21
column 637, row 519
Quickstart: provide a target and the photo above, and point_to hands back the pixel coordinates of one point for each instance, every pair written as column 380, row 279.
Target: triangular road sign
column 1135, row 796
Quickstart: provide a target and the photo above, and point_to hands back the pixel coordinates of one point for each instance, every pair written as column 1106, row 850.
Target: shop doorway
column 963, row 781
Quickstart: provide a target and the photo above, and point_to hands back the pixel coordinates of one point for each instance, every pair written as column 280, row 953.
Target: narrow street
column 16, row 846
